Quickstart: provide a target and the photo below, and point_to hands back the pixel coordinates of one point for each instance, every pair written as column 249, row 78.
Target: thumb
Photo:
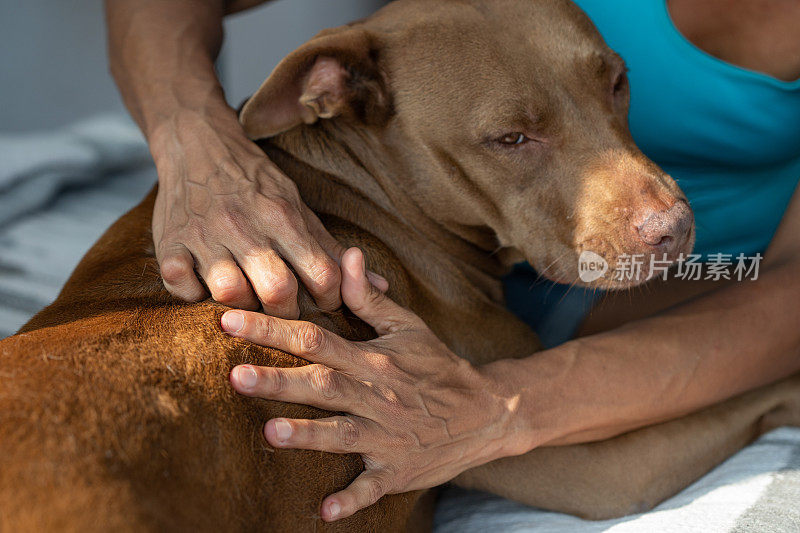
column 369, row 303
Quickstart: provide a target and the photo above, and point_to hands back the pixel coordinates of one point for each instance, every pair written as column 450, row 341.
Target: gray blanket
column 59, row 191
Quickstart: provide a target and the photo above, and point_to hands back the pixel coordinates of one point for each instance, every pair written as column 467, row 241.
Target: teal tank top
column 728, row 135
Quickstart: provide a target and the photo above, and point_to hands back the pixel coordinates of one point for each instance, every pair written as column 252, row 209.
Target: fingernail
column 334, row 509
column 283, row 430
column 246, row 377
column 377, row 277
column 233, row 321
column 378, row 281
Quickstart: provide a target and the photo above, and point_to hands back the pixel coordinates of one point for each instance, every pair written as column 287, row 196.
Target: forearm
column 697, row 354
column 162, row 57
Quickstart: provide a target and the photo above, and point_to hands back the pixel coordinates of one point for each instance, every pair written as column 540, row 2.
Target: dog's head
column 507, row 114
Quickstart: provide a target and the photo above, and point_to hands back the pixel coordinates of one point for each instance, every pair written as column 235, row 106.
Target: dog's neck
column 349, row 174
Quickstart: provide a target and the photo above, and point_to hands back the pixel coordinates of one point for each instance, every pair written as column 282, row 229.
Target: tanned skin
column 694, row 340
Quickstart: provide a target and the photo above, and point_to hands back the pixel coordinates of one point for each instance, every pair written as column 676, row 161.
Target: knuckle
column 264, row 327
column 227, row 289
column 383, row 364
column 175, row 268
column 327, row 277
column 274, row 379
column 375, row 489
column 374, row 296
column 373, row 299
column 348, row 433
column 311, row 338
column 279, row 291
column 394, row 404
column 395, row 324
column 325, row 382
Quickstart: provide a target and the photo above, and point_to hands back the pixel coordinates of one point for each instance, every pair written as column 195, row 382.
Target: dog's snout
column 667, row 229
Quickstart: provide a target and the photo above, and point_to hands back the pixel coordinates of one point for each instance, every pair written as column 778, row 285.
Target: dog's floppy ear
column 335, row 74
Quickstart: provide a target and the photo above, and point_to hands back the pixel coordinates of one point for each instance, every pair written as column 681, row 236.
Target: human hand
column 226, row 213
column 418, row 414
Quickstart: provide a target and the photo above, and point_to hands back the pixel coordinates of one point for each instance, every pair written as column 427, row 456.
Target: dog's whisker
column 495, row 251
column 551, row 265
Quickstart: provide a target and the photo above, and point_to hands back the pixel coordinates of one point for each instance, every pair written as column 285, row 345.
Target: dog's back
column 117, row 413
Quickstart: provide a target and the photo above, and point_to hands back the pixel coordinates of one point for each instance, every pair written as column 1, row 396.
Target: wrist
column 199, row 140
column 507, row 383
column 164, row 124
column 541, row 406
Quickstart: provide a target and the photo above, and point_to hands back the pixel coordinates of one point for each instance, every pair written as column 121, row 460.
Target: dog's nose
column 668, row 229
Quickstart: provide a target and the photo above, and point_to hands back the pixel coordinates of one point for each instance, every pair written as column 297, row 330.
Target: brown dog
column 448, row 140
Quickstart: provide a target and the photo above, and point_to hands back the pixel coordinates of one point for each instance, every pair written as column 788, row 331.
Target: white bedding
column 757, row 490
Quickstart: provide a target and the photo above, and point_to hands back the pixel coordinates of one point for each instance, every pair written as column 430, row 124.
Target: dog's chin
column 614, row 285
column 603, row 284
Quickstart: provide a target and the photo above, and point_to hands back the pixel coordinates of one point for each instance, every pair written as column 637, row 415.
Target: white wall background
column 53, row 67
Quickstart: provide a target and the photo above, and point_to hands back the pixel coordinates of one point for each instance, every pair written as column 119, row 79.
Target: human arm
column 419, row 415
column 223, row 212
